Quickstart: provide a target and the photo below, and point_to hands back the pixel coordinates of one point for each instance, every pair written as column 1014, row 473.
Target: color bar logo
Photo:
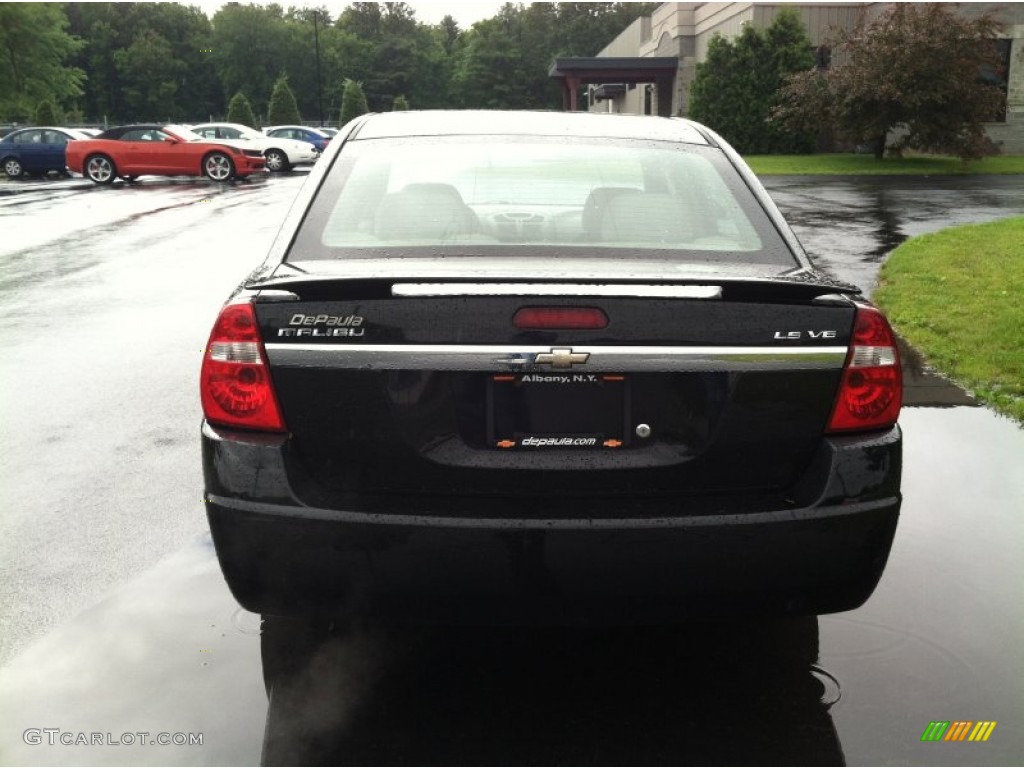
column 958, row 730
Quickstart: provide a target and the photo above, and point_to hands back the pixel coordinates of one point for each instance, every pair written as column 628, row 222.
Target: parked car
column 546, row 365
column 36, row 151
column 329, row 132
column 130, row 151
column 313, row 136
column 281, row 153
column 92, row 133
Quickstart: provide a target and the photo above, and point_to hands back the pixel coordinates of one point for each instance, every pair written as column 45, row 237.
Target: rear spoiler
column 322, row 287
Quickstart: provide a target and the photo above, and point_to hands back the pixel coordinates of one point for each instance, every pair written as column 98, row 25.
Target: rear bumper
column 303, row 156
column 281, row 556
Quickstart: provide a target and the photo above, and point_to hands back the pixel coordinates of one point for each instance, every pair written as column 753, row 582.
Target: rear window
column 484, row 196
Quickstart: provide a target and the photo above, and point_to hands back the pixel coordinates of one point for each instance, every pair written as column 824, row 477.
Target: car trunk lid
column 414, row 386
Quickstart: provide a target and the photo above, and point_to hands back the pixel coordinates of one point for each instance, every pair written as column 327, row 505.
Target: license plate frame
column 531, row 411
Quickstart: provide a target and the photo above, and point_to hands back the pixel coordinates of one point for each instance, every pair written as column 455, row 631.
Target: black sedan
column 555, row 367
column 36, row 151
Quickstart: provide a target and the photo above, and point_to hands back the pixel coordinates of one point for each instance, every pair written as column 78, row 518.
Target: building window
column 823, row 57
column 1000, row 76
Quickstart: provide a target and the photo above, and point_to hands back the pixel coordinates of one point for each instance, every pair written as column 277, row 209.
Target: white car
column 281, row 153
column 314, row 136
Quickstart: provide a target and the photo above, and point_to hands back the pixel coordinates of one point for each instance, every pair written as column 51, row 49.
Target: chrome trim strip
column 557, row 289
column 469, row 357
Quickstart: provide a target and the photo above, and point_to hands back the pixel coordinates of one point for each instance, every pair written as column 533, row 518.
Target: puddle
column 149, row 658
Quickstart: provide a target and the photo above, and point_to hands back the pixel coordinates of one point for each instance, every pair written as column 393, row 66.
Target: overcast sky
column 427, row 11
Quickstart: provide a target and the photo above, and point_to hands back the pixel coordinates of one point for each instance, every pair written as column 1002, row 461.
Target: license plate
column 532, row 411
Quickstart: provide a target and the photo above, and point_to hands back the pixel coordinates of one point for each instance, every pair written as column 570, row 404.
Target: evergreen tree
column 401, row 104
column 353, row 102
column 739, row 83
column 283, row 109
column 240, row 111
column 46, row 113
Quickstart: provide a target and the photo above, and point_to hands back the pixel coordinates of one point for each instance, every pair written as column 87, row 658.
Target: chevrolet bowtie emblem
column 561, row 358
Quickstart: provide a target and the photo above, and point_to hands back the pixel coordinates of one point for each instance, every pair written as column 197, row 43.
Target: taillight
column 235, row 382
column 871, row 391
column 560, row 317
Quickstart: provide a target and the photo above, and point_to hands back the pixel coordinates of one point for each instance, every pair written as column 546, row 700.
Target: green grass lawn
column 867, row 165
column 958, row 297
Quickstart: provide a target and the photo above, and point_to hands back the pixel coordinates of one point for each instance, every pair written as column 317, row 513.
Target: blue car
column 314, row 136
column 36, row 151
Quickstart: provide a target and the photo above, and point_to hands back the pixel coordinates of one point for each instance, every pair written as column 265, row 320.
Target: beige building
column 659, row 54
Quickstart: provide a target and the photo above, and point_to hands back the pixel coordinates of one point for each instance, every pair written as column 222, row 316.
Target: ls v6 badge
column 793, row 335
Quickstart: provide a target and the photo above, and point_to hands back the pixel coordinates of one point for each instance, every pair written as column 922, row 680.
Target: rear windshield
column 493, row 196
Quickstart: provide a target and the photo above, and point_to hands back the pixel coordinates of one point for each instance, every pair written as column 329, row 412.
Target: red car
column 130, row 151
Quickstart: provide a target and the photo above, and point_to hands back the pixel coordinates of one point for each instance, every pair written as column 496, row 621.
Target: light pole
column 316, row 43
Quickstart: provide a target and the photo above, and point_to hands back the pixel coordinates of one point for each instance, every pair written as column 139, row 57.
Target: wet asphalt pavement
column 850, row 224
column 116, row 620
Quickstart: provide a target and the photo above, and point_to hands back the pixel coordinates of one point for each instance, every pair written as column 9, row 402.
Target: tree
column 449, row 30
column 916, row 69
column 503, row 61
column 390, row 53
column 362, row 20
column 35, row 48
column 306, row 57
column 150, row 76
column 126, row 79
column 46, row 114
column 400, row 104
column 159, row 60
column 240, row 111
column 251, row 48
column 738, row 84
column 353, row 102
column 492, row 71
column 283, row 109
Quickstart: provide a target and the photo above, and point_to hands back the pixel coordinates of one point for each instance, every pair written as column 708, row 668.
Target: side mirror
column 171, row 140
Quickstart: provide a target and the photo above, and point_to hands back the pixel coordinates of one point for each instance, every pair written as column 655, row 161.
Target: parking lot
column 116, row 619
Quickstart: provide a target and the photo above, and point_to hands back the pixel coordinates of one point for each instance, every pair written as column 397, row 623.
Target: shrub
column 46, row 114
column 240, row 111
column 283, row 109
column 738, row 85
column 353, row 102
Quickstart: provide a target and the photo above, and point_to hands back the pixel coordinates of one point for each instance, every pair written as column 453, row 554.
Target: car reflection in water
column 715, row 693
column 708, row 692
